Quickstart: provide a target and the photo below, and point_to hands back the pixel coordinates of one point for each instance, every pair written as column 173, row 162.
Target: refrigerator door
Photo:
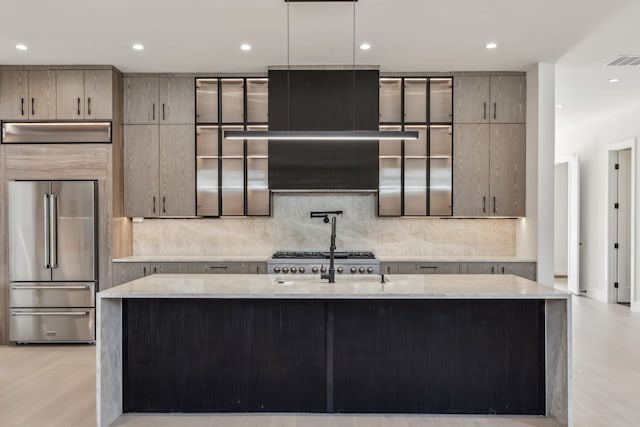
column 29, row 231
column 73, row 230
column 49, row 294
column 52, row 324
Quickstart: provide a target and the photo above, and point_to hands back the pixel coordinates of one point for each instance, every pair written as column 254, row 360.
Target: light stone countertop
column 265, row 257
column 265, row 286
column 194, row 258
column 452, row 258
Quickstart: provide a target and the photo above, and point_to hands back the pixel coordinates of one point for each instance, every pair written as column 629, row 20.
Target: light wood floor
column 54, row 386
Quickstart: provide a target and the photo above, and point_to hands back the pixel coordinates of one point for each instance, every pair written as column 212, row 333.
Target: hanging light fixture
column 338, row 135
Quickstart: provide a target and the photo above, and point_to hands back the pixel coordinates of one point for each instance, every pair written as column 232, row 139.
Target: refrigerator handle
column 53, row 216
column 45, row 228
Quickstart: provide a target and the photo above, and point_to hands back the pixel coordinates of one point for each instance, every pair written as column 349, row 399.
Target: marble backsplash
column 291, row 228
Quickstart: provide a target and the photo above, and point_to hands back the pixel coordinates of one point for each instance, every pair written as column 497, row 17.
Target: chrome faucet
column 331, row 275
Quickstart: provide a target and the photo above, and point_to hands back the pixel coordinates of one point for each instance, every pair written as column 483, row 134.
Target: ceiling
column 406, row 35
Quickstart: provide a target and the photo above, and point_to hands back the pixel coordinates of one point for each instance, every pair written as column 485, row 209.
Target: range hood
column 55, row 132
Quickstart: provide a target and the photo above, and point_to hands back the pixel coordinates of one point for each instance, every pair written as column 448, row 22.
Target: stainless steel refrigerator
column 52, row 261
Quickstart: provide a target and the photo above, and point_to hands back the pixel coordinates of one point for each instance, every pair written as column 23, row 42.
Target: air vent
column 624, row 60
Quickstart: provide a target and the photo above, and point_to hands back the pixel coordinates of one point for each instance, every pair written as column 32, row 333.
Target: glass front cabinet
column 232, row 175
column 415, row 176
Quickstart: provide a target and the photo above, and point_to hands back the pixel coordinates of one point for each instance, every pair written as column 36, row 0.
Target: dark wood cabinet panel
column 482, row 357
column 191, row 355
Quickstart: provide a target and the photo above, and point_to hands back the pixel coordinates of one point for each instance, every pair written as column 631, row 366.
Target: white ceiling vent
column 624, row 60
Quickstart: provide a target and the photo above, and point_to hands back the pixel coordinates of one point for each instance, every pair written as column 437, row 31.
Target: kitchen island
column 450, row 344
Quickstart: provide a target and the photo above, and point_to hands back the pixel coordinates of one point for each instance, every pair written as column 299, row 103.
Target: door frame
column 573, row 229
column 609, row 197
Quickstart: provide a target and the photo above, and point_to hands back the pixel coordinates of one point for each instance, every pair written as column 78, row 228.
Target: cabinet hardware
column 33, row 106
column 155, row 270
column 502, row 270
column 429, row 266
column 163, row 117
column 218, row 266
column 154, row 204
column 495, row 108
column 22, row 106
column 51, row 313
column 484, row 114
column 153, row 112
column 493, row 270
column 89, row 106
column 78, row 106
column 484, row 204
column 144, row 271
column 494, row 204
column 164, row 204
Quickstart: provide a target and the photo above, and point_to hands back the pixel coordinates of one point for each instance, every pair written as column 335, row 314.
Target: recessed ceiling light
column 21, row 46
column 365, row 46
column 560, row 106
column 245, row 46
column 138, row 46
column 614, row 80
column 491, row 45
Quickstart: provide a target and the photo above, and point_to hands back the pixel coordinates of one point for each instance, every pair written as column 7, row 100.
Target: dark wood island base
column 414, row 345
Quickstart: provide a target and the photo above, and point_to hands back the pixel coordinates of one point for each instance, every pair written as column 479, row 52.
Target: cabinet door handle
column 493, row 270
column 89, row 106
column 502, row 270
column 153, row 111
column 495, row 109
column 22, row 106
column 33, row 106
column 484, row 114
column 154, row 204
column 494, row 204
column 144, row 271
column 163, row 118
column 484, row 204
column 78, row 106
column 164, row 204
column 155, row 270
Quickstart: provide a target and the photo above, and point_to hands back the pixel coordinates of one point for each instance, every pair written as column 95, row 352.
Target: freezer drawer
column 52, row 294
column 52, row 324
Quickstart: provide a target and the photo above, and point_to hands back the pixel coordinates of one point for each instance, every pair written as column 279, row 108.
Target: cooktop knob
column 276, row 269
column 314, row 269
column 339, row 269
column 353, row 270
column 293, row 269
column 361, row 269
column 323, row 269
column 369, row 270
column 301, row 269
column 285, row 270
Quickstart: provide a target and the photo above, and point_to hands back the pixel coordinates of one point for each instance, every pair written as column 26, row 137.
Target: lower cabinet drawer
column 52, row 295
column 52, row 324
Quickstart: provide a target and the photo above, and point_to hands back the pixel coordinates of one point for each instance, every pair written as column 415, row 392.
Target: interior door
column 624, row 226
column 28, row 231
column 73, row 230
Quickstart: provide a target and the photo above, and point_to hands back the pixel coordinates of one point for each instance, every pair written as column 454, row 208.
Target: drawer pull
column 51, row 287
column 51, row 313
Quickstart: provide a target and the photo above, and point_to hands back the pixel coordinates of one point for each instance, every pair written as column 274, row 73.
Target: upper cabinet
column 52, row 94
column 28, row 95
column 415, row 176
column 490, row 99
column 84, row 94
column 159, row 100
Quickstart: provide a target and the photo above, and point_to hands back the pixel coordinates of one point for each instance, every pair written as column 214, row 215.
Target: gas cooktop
column 311, row 262
column 323, row 255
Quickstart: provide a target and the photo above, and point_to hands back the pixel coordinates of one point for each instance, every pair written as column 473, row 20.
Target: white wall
column 589, row 140
column 561, row 223
column 535, row 231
